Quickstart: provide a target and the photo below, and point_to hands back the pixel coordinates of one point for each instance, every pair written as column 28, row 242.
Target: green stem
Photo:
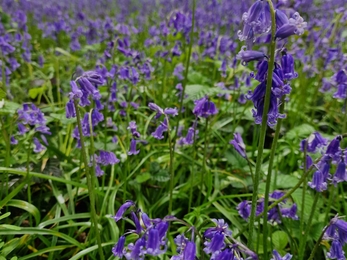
column 185, row 80
column 302, row 245
column 303, row 198
column 89, row 182
column 92, row 152
column 268, row 177
column 184, row 83
column 317, row 244
column 172, row 175
column 28, row 178
column 205, row 173
column 192, row 173
column 285, row 196
column 263, row 124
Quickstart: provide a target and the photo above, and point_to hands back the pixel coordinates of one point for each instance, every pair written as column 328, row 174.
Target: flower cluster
column 163, row 126
column 275, row 214
column 152, row 239
column 103, row 159
column 337, row 232
column 257, row 21
column 332, row 154
column 135, row 134
column 239, row 145
column 30, row 115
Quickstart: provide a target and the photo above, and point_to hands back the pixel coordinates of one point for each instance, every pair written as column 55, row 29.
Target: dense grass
column 59, row 203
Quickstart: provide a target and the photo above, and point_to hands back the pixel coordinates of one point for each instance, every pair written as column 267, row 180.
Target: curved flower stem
column 285, row 196
column 268, row 177
column 89, row 182
column 317, row 244
column 302, row 245
column 263, row 125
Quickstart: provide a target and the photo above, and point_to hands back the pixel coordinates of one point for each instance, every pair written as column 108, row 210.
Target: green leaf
column 286, row 181
column 2, row 93
column 27, row 207
column 198, row 91
column 299, row 132
column 12, row 227
column 9, row 107
column 34, row 92
column 5, row 215
column 154, row 167
column 235, row 159
column 62, row 118
column 161, row 176
column 280, row 239
column 143, row 177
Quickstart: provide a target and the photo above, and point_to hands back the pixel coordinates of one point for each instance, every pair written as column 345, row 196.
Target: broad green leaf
column 34, row 92
column 280, row 239
column 9, row 107
column 286, row 181
column 143, row 177
column 299, row 132
column 161, row 176
column 154, row 167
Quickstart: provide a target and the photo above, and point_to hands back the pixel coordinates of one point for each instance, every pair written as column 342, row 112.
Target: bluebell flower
column 22, row 129
column 118, row 249
column 239, row 145
column 287, row 63
column 318, row 182
column 70, row 109
column 340, row 174
column 171, row 111
column 133, row 129
column 38, row 147
column 75, row 93
column 262, row 68
column 204, row 107
column 107, row 158
column 334, row 146
column 295, row 25
column 281, row 18
column 158, row 133
column 290, row 212
column 277, row 256
column 215, row 245
column 13, row 140
column 314, row 142
column 247, row 56
column 153, row 245
column 189, row 138
column 122, row 209
column 244, row 209
column 186, row 249
column 336, row 251
column 178, row 71
column 221, row 227
column 132, row 150
column 223, row 68
column 137, row 250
